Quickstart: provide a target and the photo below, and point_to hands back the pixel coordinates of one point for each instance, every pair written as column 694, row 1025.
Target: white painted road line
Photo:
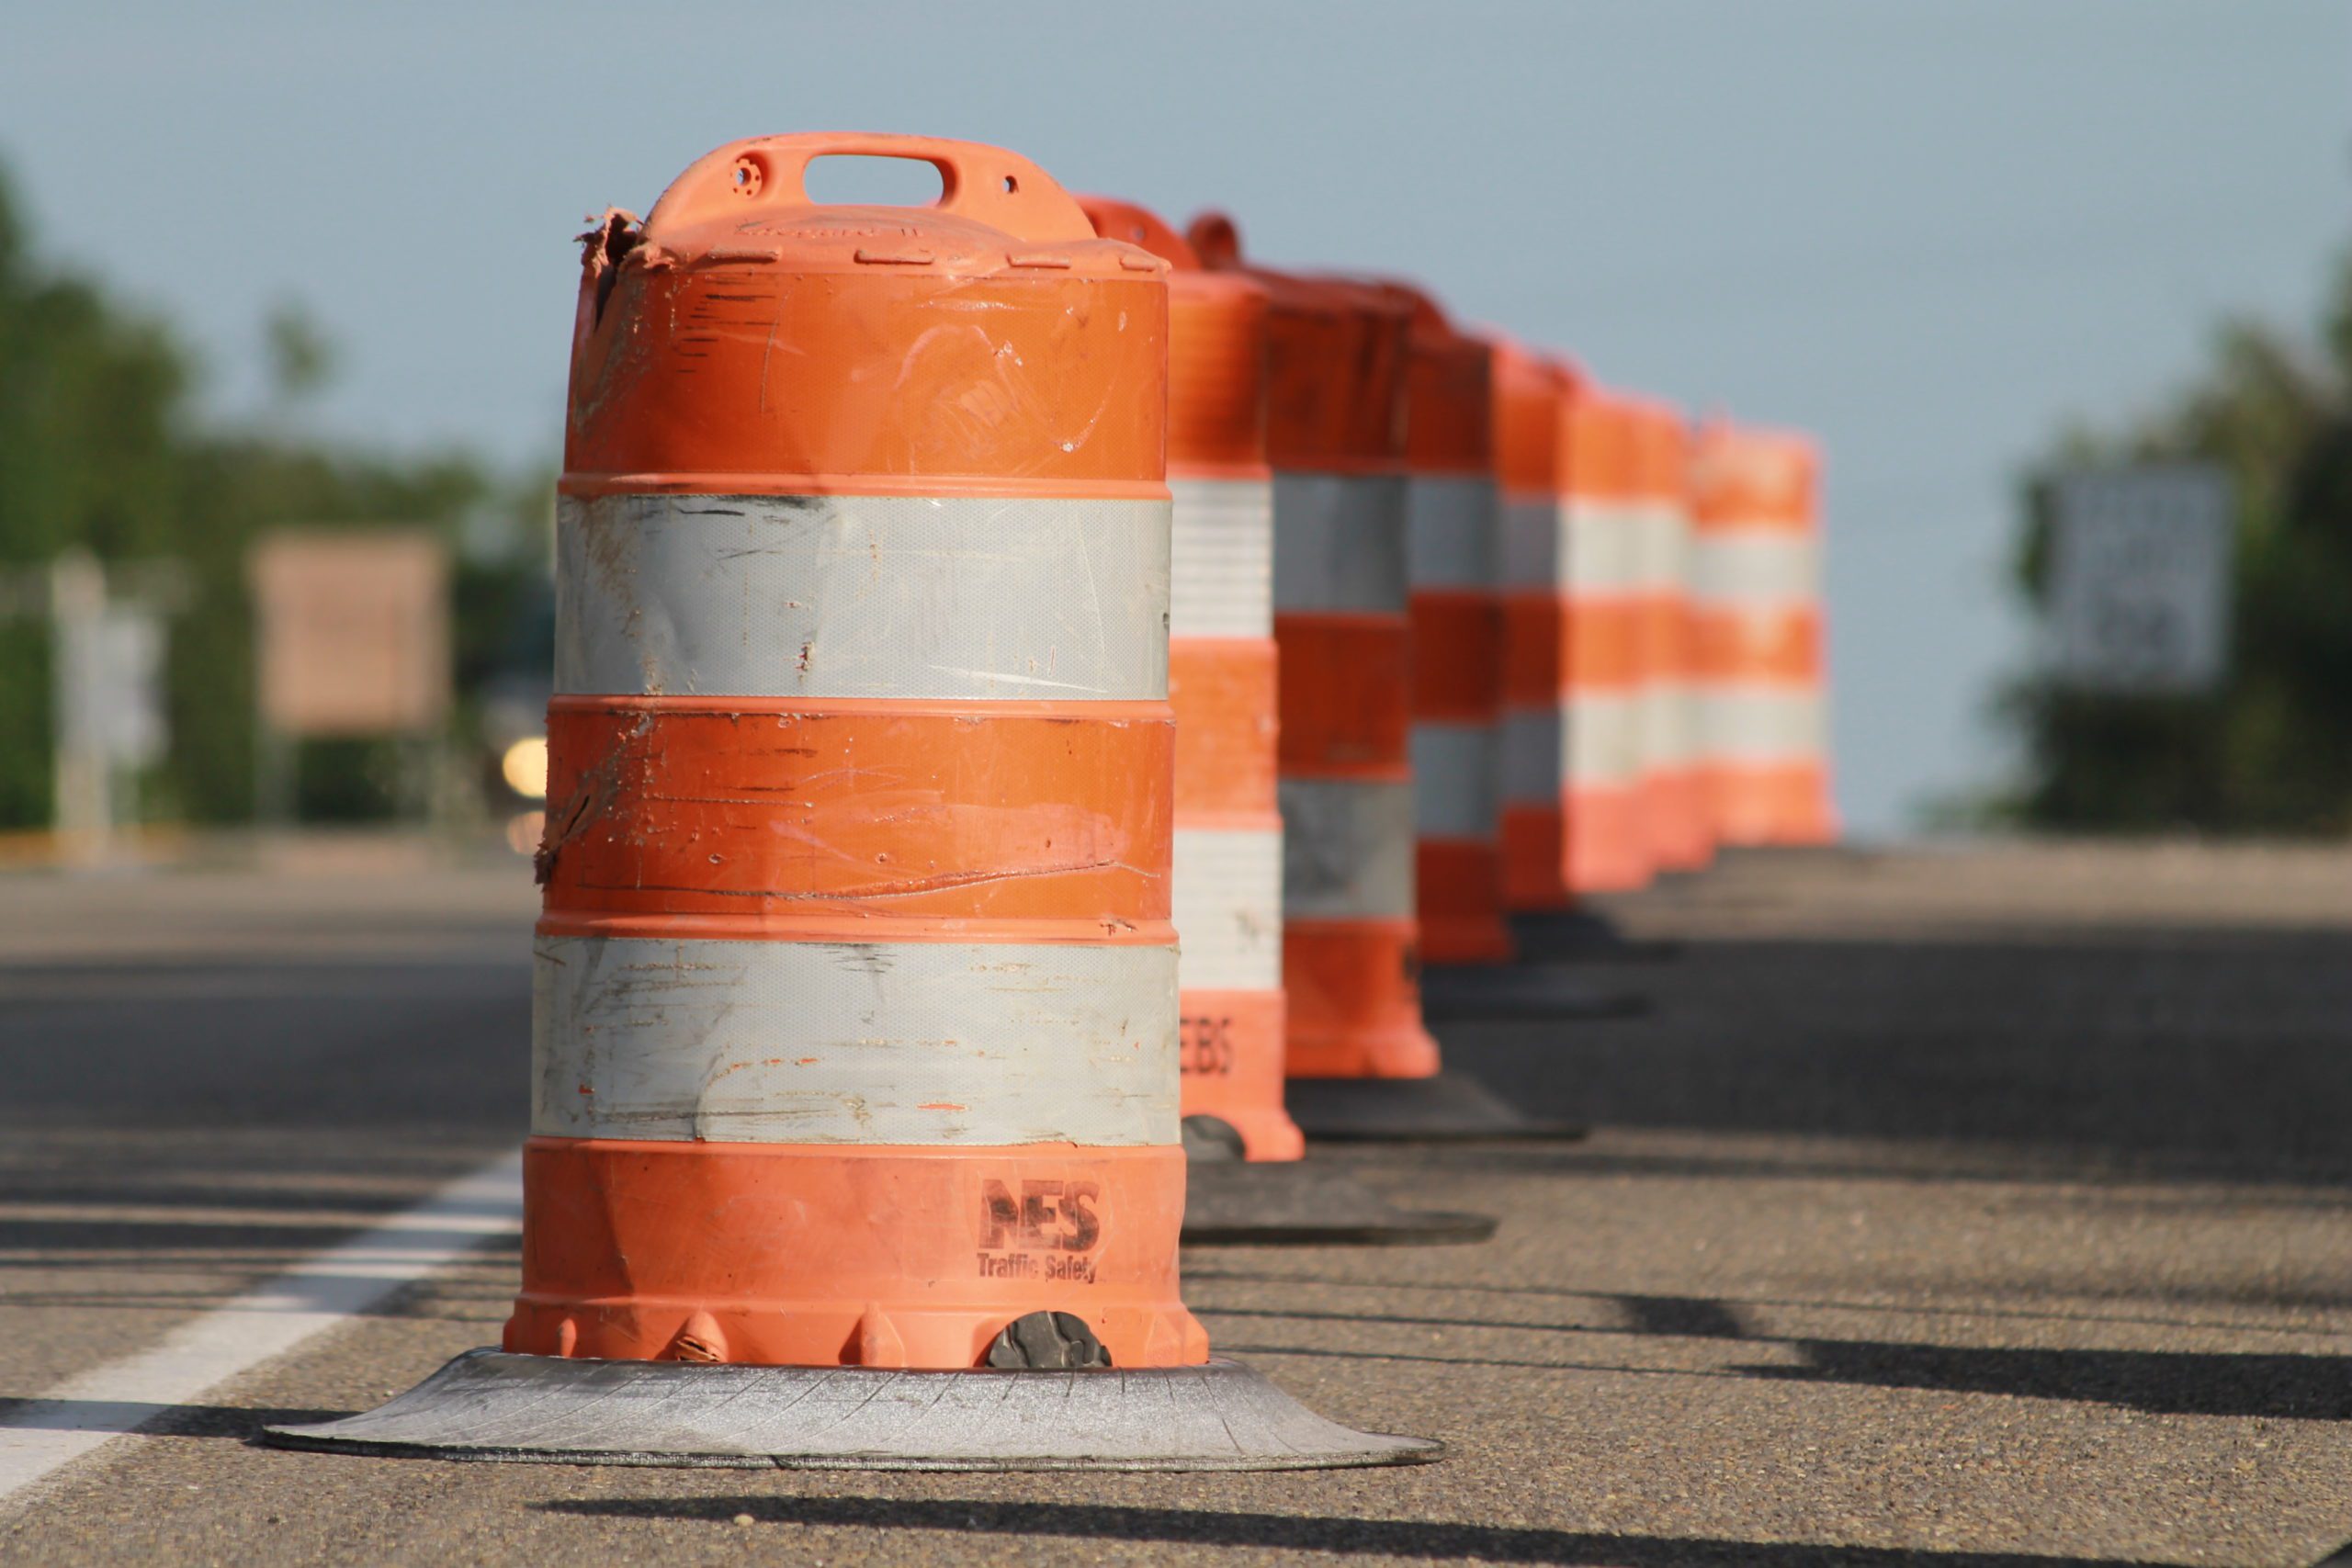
column 81, row 1412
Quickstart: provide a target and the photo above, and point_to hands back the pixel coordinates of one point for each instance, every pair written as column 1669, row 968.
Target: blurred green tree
column 2270, row 751
column 101, row 442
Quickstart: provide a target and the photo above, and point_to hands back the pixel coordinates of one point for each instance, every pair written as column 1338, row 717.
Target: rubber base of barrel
column 1303, row 1203
column 1565, row 936
column 1447, row 1108
column 1465, row 993
column 490, row 1406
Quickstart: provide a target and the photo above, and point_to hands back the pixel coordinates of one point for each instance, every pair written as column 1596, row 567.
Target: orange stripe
column 1335, row 393
column 1345, row 683
column 1355, row 1000
column 796, row 812
column 719, row 369
column 1786, row 803
column 1553, row 647
column 1458, row 884
column 1255, row 468
column 1594, row 841
column 1526, row 423
column 1449, row 424
column 1597, row 455
column 627, row 1244
column 1662, row 636
column 1457, row 655
column 1224, row 693
column 1739, row 645
column 1017, row 487
column 1606, row 844
column 1217, row 370
column 1534, row 864
column 1743, row 477
column 1680, row 827
column 1232, row 1059
column 1659, row 449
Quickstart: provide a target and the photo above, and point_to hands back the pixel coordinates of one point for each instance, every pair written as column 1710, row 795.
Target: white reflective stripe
column 1222, row 559
column 1451, row 531
column 1339, row 542
column 1575, row 546
column 1347, row 850
column 1228, row 899
column 1590, row 741
column 1669, row 725
column 1659, row 561
column 1456, row 775
column 1598, row 543
column 1531, row 757
column 1531, row 541
column 862, row 596
column 1756, row 567
column 1762, row 723
column 853, row 1042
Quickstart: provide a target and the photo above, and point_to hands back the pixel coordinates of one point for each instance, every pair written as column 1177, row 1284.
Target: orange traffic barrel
column 1572, row 819
column 1335, row 438
column 1362, row 1063
column 1756, row 636
column 1675, row 818
column 1452, row 524
column 854, row 1017
column 1222, row 685
column 1527, row 388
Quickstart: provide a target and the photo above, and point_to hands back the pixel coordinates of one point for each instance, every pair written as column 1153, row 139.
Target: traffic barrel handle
column 769, row 173
column 1217, row 239
column 1139, row 225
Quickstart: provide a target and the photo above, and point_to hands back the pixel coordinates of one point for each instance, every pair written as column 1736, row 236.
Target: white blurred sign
column 2139, row 578
column 109, row 685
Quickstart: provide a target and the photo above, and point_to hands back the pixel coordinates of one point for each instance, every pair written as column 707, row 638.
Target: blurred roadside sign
column 352, row 631
column 2139, row 578
column 109, row 685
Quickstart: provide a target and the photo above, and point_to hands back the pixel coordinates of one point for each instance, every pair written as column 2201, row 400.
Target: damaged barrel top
column 992, row 339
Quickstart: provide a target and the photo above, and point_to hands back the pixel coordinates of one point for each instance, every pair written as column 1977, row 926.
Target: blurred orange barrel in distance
column 1573, row 807
column 1336, row 440
column 1453, row 523
column 1674, row 812
column 1755, row 573
column 854, row 1017
column 1222, row 685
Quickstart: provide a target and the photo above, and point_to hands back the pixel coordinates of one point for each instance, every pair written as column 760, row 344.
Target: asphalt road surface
column 1958, row 1210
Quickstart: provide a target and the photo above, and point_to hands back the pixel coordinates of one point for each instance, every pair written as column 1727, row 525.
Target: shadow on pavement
column 243, row 1421
column 1323, row 1533
column 2283, row 1386
column 1708, row 1318
column 2162, row 1382
column 2174, row 1051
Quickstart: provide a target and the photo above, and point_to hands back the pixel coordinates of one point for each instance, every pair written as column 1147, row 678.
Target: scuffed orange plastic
column 746, row 339
column 845, row 1255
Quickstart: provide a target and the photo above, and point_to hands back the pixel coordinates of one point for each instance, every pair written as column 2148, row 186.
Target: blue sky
column 1929, row 231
